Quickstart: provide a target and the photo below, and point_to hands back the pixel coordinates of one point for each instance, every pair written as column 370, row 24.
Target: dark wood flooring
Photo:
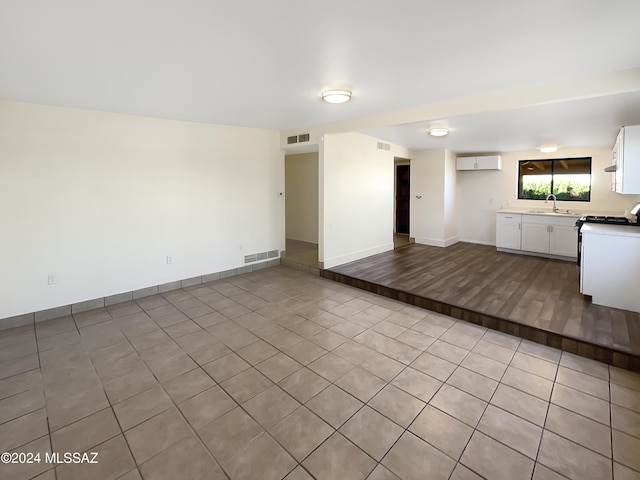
column 531, row 297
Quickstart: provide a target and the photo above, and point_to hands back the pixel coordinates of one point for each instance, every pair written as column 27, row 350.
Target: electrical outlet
column 169, row 260
column 51, row 280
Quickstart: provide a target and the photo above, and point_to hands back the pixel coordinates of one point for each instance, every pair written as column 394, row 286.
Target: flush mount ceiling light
column 438, row 131
column 336, row 95
column 548, row 148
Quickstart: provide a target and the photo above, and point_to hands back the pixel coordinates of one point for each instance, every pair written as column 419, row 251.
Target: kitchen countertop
column 527, row 211
column 615, row 230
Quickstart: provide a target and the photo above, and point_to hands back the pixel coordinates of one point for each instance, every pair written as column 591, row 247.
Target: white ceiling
column 262, row 64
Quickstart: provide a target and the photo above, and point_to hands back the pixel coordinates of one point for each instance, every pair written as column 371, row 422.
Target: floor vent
column 384, row 146
column 258, row 257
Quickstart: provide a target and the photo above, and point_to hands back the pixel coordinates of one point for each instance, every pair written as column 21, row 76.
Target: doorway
column 402, row 200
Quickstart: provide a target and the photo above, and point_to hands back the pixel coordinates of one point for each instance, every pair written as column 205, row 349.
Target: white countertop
column 527, row 211
column 615, row 230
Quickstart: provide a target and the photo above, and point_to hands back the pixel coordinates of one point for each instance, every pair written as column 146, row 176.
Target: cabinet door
column 488, row 162
column 563, row 240
column 466, row 163
column 508, row 232
column 535, row 237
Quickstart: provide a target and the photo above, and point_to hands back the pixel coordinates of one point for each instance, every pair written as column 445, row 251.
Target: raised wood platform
column 530, row 297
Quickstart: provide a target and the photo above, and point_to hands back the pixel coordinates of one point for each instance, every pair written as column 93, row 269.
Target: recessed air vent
column 258, row 257
column 384, row 146
column 304, row 137
column 293, row 139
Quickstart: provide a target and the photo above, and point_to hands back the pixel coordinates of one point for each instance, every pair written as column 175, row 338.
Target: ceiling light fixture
column 548, row 148
column 338, row 95
column 438, row 131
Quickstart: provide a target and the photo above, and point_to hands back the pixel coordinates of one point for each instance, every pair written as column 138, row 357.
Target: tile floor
column 280, row 374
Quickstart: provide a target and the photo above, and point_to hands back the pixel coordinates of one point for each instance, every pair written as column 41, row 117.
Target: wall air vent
column 293, row 139
column 258, row 257
column 304, row 137
column 384, row 146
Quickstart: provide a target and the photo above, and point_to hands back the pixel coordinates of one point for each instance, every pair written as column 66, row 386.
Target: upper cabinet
column 626, row 161
column 481, row 162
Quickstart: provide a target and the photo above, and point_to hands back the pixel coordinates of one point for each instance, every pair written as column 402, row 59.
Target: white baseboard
column 351, row 257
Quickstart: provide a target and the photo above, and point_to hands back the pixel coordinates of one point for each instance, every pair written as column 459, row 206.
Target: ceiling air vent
column 384, row 146
column 293, row 139
column 304, row 137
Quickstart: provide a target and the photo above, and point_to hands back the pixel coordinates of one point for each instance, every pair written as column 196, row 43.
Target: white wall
column 356, row 198
column 434, row 216
column 481, row 193
column 100, row 200
column 301, row 196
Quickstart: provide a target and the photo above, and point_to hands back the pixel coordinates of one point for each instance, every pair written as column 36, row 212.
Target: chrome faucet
column 555, row 207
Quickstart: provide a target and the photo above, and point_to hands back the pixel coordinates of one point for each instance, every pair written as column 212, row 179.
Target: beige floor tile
column 338, row 459
column 334, row 405
column 541, row 351
column 114, row 460
column 86, row 433
column 26, row 470
column 625, row 397
column 473, row 383
column 353, row 352
column 66, row 407
column 429, row 328
column 625, row 450
column 459, row 404
column 528, row 383
column 226, row 367
column 229, row 433
column 301, row 432
column 417, row 384
column 328, row 339
column 625, row 378
column 494, row 460
column 157, row 434
column 448, row 351
column 620, row 472
column 133, row 379
column 303, row 384
column 521, row 404
column 257, row 352
column 415, row 339
column 459, row 339
column 304, row 352
column 582, row 403
column 397, row 405
column 186, row 460
column 388, row 329
column 206, row 406
column 31, row 380
column 579, row 429
column 625, row 420
column 188, row 384
column 411, row 457
column 261, row 459
column 463, row 473
column 382, row 366
column 372, row 432
column 585, row 365
column 583, row 382
column 331, row 366
column 141, row 407
column 271, row 406
column 572, row 460
column 502, row 339
column 535, row 365
column 496, row 352
column 484, row 366
column 442, row 431
column 278, row 367
column 23, row 430
column 434, row 366
column 540, row 472
column 246, row 385
column 382, row 473
column 12, row 367
column 513, row 431
column 361, row 384
column 283, row 339
column 298, row 473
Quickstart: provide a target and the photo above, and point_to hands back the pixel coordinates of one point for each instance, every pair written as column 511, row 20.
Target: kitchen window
column 569, row 179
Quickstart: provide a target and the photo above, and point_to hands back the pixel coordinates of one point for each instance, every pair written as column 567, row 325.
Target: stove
column 602, row 220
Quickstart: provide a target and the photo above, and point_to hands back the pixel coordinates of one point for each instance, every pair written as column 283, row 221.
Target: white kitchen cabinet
column 548, row 234
column 480, row 162
column 610, row 266
column 626, row 161
column 508, row 230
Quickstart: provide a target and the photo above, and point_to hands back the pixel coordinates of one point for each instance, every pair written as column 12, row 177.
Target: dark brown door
column 402, row 199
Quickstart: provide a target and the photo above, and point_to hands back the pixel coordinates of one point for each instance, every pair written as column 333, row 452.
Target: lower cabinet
column 543, row 234
column 508, row 230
